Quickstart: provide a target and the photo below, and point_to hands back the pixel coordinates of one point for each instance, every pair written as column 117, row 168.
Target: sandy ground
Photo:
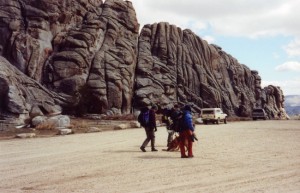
column 252, row 156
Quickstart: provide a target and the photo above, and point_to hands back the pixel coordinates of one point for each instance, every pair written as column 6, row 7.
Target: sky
column 263, row 35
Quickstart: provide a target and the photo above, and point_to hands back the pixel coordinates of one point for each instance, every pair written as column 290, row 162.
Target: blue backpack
column 143, row 118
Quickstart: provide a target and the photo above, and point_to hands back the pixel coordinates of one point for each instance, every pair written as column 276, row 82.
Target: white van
column 213, row 115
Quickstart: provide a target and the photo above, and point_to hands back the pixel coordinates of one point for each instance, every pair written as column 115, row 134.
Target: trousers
column 186, row 139
column 150, row 137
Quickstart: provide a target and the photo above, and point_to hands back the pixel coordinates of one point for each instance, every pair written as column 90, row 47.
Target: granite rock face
column 272, row 101
column 86, row 56
column 22, row 98
column 83, row 48
column 177, row 65
column 111, row 78
column 30, row 29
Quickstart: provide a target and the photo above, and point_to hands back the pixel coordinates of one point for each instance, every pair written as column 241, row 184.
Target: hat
column 154, row 107
column 187, row 108
column 144, row 109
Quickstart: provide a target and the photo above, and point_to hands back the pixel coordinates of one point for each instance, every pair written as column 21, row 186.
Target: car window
column 208, row 112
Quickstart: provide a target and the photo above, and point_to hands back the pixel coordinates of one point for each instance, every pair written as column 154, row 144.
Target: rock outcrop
column 22, row 97
column 177, row 65
column 86, row 56
column 86, row 49
column 272, row 100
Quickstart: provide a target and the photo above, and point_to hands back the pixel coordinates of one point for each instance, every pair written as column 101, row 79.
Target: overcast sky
column 262, row 34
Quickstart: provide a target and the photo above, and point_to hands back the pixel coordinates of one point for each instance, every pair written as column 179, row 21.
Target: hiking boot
column 143, row 149
column 190, row 156
column 184, row 156
column 153, row 149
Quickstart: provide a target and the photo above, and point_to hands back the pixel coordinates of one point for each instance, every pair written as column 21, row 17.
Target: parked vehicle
column 213, row 115
column 259, row 113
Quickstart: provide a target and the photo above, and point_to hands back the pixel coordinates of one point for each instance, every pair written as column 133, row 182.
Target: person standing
column 150, row 129
column 186, row 133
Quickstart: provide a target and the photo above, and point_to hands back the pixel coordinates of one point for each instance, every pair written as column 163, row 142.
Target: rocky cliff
column 86, row 56
column 177, row 65
column 22, row 98
column 85, row 49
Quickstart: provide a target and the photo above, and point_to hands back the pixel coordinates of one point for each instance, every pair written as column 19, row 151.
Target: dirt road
column 253, row 156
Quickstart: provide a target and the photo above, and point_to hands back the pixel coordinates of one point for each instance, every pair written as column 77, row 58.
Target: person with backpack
column 147, row 120
column 175, row 116
column 186, row 132
column 166, row 118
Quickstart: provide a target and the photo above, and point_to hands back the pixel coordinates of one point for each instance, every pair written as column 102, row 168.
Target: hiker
column 186, row 133
column 175, row 116
column 149, row 123
column 166, row 118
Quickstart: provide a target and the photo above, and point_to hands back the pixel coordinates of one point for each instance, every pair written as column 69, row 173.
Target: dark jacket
column 175, row 115
column 152, row 119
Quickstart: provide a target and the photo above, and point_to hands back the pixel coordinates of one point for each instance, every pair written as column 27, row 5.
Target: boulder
column 65, row 131
column 134, row 124
column 121, row 127
column 93, row 130
column 25, row 135
column 35, row 111
column 59, row 121
column 38, row 120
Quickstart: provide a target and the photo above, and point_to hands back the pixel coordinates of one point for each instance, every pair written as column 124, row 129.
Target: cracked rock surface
column 86, row 56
